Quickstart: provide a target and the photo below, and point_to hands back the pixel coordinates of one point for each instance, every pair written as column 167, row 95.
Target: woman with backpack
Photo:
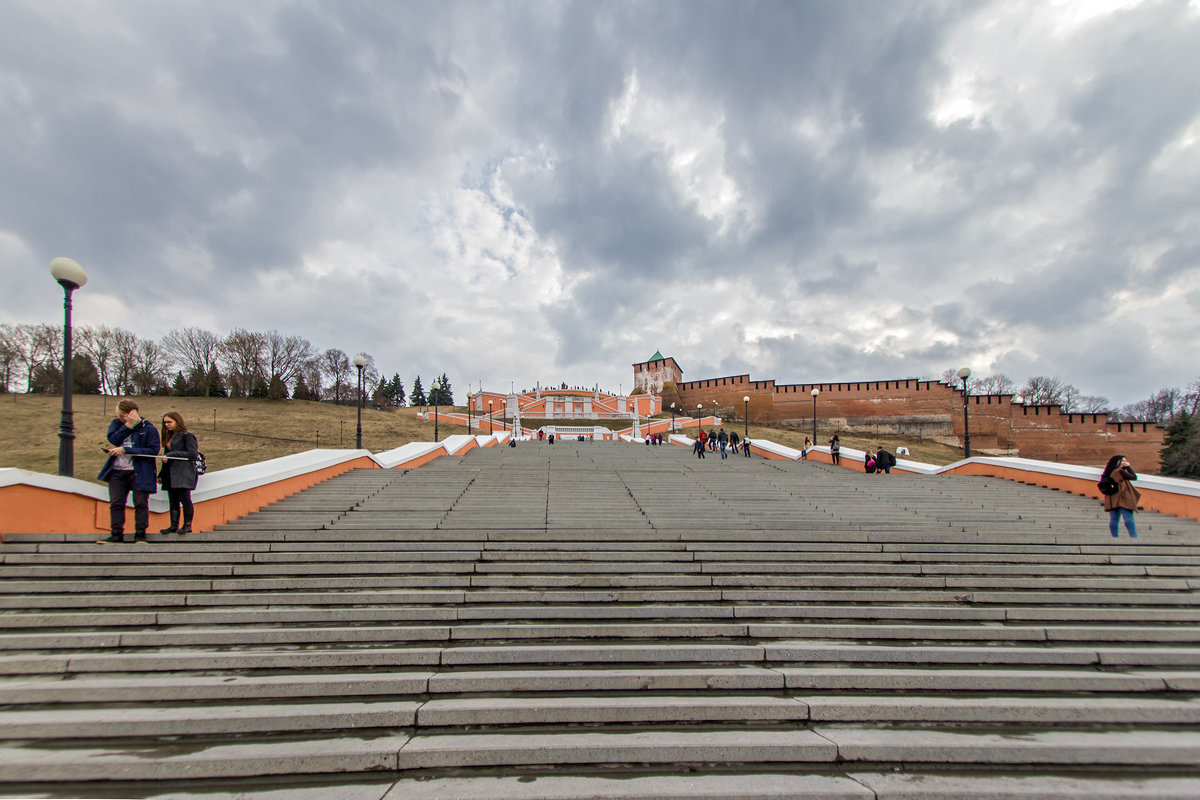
column 178, row 474
column 1120, row 497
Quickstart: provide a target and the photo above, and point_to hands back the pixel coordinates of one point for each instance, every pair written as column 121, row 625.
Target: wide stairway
column 612, row 621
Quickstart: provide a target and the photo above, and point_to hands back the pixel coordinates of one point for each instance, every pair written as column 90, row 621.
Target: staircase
column 618, row 621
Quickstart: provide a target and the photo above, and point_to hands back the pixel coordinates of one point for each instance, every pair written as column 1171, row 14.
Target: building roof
column 658, row 356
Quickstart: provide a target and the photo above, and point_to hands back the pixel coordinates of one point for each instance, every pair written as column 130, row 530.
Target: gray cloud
column 798, row 190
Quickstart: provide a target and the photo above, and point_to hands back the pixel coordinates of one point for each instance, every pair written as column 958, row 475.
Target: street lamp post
column 436, row 398
column 746, row 416
column 965, row 373
column 699, row 425
column 490, row 430
column 70, row 276
column 360, row 361
column 815, row 392
column 468, row 409
column 672, row 417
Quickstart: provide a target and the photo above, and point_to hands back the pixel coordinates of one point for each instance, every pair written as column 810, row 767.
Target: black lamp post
column 70, row 276
column 436, row 397
column 672, row 418
column 360, row 361
column 815, row 392
column 490, row 430
column 965, row 373
column 468, row 409
column 746, row 416
column 699, row 423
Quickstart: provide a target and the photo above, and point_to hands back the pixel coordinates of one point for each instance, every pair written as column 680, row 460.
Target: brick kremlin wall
column 932, row 408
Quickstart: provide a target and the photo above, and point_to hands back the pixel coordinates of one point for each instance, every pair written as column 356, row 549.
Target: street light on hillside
column 815, row 392
column 468, row 409
column 490, row 431
column 672, row 417
column 70, row 276
column 746, row 416
column 699, row 423
column 437, row 397
column 965, row 373
column 360, row 361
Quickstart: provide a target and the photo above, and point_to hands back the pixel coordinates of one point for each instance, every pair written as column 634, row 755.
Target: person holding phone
column 178, row 473
column 1121, row 504
column 130, row 468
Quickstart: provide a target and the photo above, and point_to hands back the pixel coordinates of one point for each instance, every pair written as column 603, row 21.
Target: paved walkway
column 616, row 621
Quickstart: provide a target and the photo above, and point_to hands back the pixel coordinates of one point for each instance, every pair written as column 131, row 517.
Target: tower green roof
column 658, row 356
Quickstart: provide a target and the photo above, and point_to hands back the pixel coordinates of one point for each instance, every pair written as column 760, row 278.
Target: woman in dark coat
column 178, row 473
column 1122, row 503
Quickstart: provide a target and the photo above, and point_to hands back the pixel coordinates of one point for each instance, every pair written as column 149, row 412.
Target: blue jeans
column 1127, row 515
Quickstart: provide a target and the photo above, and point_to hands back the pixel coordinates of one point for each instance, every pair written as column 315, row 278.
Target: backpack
column 1107, row 486
column 891, row 459
column 200, row 464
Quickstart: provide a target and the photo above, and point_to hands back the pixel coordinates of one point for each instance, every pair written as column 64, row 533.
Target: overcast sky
column 551, row 191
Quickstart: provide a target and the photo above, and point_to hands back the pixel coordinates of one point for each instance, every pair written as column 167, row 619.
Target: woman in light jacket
column 178, row 473
column 1124, row 502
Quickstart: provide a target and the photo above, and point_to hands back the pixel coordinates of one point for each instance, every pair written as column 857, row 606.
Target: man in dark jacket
column 130, row 467
column 884, row 461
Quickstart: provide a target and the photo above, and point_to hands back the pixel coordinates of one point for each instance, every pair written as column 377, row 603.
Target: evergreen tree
column 277, row 389
column 417, row 397
column 397, row 390
column 447, row 396
column 1181, row 447
column 214, row 385
column 300, row 391
column 382, row 394
column 258, row 389
column 180, row 387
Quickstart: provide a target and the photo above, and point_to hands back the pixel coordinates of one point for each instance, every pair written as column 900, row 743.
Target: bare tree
column 992, row 384
column 1091, row 404
column 195, row 350
column 152, row 366
column 335, row 365
column 36, row 346
column 1044, row 391
column 286, row 356
column 124, row 360
column 242, row 358
column 10, row 355
column 96, row 342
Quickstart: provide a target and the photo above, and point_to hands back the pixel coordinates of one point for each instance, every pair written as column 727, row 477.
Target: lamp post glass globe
column 70, row 276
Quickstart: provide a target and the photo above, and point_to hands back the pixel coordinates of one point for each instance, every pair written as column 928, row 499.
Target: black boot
column 187, row 528
column 115, row 538
column 174, row 523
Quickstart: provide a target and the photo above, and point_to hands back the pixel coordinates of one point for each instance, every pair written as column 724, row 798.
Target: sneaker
column 171, row 529
column 116, row 538
column 139, row 538
column 185, row 529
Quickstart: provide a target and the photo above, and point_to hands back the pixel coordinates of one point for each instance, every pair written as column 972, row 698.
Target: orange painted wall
column 29, row 509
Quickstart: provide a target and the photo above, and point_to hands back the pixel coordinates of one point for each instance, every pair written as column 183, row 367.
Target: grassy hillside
column 29, row 430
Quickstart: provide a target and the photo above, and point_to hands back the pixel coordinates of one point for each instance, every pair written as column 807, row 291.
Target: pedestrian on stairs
column 178, row 472
column 723, row 439
column 1121, row 504
column 701, row 443
column 129, row 468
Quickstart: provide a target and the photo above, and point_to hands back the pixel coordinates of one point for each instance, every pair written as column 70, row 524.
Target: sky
column 520, row 192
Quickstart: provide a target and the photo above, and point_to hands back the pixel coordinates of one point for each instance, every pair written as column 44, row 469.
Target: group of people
column 654, row 439
column 879, row 462
column 713, row 441
column 133, row 448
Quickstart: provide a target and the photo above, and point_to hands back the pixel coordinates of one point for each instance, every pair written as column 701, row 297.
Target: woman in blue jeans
column 1122, row 503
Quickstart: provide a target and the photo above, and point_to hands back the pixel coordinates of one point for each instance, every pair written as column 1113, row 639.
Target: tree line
column 193, row 362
